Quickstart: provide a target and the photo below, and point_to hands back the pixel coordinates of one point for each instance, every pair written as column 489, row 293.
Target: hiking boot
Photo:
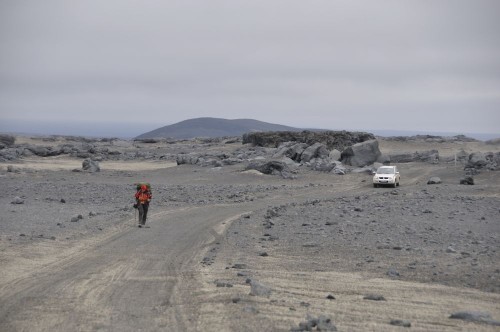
column 140, row 225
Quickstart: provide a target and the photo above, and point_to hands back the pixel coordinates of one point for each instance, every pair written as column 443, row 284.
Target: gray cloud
column 413, row 65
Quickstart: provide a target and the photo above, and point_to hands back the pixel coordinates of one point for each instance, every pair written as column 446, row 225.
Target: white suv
column 386, row 175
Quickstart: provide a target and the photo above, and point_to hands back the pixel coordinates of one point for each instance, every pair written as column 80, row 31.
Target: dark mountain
column 213, row 127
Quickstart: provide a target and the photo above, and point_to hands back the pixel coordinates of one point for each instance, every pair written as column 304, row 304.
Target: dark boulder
column 468, row 180
column 44, row 151
column 292, row 150
column 272, row 167
column 317, row 150
column 477, row 160
column 361, row 154
column 91, row 166
column 400, row 322
column 322, row 323
column 434, row 180
column 476, row 317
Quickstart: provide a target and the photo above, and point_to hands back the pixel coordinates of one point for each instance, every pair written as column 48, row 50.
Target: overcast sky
column 133, row 66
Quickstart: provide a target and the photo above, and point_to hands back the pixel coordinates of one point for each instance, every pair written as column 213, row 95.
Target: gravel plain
column 315, row 225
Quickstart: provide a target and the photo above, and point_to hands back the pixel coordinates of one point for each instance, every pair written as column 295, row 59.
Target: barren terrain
column 233, row 250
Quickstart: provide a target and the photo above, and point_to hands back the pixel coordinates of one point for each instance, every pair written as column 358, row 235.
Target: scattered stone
column 223, row 284
column 450, row 250
column 239, row 266
column 250, row 309
column 322, row 323
column 258, row 289
column 17, row 200
column 374, row 297
column 399, row 322
column 393, row 273
column 330, row 297
column 63, row 200
column 468, row 180
column 76, row 218
column 263, row 254
column 235, row 299
column 434, row 180
column 475, row 316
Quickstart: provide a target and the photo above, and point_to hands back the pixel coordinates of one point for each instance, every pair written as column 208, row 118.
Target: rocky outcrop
column 42, row 151
column 478, row 161
column 187, row 159
column 6, row 141
column 494, row 141
column 431, row 156
column 431, row 138
column 331, row 139
column 10, row 154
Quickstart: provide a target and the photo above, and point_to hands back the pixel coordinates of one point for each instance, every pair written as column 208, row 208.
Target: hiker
column 143, row 197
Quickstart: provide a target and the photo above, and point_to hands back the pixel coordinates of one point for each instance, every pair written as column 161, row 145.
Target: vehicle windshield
column 385, row 170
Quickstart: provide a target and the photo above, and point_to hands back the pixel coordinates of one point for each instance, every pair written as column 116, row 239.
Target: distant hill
column 213, row 127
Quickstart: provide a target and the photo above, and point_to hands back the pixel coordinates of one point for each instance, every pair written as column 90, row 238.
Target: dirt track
column 127, row 282
column 129, row 279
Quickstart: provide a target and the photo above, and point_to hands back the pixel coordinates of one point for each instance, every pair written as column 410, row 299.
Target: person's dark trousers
column 143, row 213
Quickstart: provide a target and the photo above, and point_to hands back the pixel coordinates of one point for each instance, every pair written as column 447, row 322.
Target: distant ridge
column 213, row 127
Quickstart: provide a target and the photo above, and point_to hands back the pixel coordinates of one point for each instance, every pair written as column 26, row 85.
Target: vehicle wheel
column 395, row 184
column 398, row 183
